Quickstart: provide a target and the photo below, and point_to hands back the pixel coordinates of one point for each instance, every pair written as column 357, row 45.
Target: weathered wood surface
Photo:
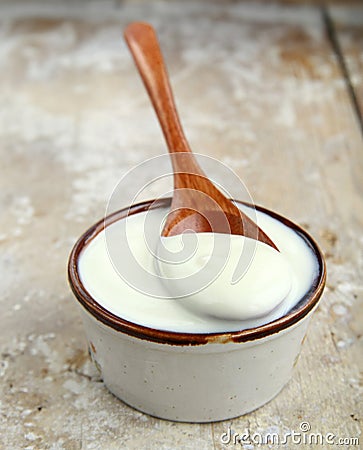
column 255, row 84
column 347, row 24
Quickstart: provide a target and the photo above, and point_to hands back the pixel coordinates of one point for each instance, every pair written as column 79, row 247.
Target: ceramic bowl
column 193, row 377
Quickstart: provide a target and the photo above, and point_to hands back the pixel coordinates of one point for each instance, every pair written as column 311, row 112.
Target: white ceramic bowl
column 193, row 377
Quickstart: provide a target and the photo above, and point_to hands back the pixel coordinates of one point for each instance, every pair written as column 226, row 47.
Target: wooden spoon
column 197, row 204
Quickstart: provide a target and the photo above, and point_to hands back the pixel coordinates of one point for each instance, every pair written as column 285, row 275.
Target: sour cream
column 205, row 282
column 196, row 283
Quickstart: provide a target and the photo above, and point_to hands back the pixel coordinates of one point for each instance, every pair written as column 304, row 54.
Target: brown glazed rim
column 303, row 307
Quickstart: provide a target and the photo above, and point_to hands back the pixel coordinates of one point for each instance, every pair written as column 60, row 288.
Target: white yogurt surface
column 196, row 283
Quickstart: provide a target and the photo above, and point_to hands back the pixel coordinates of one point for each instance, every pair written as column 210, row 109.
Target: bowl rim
column 307, row 302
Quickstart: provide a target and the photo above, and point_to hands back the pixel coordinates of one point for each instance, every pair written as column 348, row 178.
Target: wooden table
column 275, row 91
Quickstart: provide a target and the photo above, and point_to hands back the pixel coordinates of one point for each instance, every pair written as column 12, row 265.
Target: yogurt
column 208, row 283
column 196, row 283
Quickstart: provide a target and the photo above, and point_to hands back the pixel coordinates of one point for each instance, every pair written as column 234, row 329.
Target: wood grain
column 348, row 28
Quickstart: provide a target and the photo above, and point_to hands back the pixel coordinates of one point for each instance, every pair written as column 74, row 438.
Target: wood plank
column 348, row 25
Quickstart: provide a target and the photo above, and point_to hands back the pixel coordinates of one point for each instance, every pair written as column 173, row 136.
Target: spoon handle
column 143, row 44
